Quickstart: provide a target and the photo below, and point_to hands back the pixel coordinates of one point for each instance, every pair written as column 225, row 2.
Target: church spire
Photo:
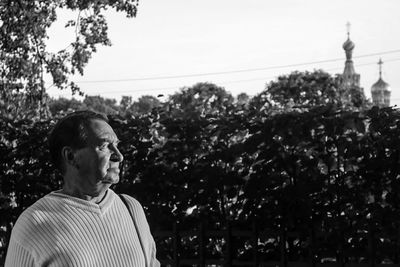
column 348, row 46
column 350, row 77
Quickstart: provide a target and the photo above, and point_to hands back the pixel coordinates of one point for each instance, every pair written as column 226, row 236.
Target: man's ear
column 68, row 155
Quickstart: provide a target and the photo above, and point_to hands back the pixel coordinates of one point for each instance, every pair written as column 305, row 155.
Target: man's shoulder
column 34, row 216
column 137, row 212
column 131, row 200
column 41, row 207
column 133, row 204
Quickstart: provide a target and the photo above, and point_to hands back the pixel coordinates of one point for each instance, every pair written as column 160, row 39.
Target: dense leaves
column 334, row 171
column 303, row 90
column 24, row 57
column 327, row 173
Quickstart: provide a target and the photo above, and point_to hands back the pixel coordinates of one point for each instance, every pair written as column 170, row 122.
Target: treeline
column 326, row 171
column 296, row 91
column 194, row 97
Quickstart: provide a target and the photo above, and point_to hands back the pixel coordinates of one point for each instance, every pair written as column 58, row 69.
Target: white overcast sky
column 191, row 37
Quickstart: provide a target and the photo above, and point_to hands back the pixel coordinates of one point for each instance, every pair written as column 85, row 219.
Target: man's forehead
column 102, row 130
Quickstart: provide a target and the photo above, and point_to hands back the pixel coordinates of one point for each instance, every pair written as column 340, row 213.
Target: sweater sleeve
column 153, row 260
column 18, row 256
column 153, row 252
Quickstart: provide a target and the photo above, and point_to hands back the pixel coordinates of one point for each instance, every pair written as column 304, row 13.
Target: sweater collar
column 100, row 208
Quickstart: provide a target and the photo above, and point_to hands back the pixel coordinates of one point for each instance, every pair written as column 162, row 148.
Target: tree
column 24, row 58
column 125, row 103
column 65, row 105
column 355, row 97
column 144, row 105
column 21, row 108
column 201, row 99
column 242, row 99
column 101, row 104
column 303, row 90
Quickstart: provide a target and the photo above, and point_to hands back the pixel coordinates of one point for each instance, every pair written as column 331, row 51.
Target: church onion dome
column 348, row 45
column 380, row 86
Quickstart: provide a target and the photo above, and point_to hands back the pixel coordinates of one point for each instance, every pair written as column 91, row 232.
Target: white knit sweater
column 60, row 230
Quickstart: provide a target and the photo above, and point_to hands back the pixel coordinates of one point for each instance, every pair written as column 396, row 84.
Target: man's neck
column 96, row 198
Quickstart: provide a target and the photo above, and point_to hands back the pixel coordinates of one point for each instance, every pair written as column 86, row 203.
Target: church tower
column 351, row 94
column 350, row 78
column 380, row 91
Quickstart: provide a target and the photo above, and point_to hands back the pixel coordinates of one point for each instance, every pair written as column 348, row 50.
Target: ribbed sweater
column 60, row 230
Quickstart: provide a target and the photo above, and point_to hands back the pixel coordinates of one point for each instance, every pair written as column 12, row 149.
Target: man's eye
column 104, row 146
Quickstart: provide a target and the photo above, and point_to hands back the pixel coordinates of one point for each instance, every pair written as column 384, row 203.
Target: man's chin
column 110, row 180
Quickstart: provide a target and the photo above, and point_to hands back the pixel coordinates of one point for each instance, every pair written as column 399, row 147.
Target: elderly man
column 85, row 223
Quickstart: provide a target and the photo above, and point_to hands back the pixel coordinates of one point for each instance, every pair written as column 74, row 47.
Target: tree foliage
column 24, row 57
column 64, row 105
column 200, row 100
column 304, row 90
column 145, row 104
column 330, row 171
column 325, row 172
column 101, row 104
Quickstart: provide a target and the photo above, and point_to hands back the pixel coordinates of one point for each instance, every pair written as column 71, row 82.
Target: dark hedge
column 330, row 176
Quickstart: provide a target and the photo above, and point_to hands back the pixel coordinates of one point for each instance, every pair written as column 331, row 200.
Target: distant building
column 380, row 91
column 349, row 77
column 350, row 80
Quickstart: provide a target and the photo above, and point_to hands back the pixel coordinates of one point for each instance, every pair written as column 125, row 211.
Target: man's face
column 98, row 162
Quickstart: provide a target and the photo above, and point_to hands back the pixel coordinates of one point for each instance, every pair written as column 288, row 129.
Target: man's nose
column 116, row 155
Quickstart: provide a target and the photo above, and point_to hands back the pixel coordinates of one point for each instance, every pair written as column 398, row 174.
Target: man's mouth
column 113, row 169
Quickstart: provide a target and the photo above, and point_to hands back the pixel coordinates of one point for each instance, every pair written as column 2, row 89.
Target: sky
column 238, row 45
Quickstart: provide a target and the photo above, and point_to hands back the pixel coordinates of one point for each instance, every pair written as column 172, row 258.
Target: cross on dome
column 380, row 62
column 348, row 26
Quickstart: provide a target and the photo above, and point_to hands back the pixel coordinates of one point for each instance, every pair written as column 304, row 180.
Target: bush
column 332, row 172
